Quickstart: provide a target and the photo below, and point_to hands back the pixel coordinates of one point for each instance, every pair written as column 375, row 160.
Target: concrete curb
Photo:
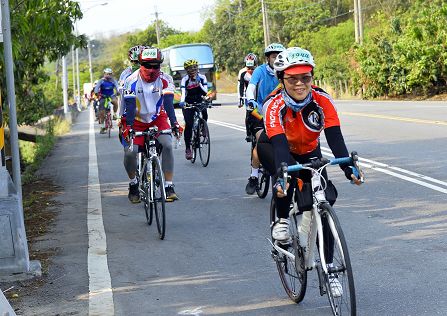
column 5, row 307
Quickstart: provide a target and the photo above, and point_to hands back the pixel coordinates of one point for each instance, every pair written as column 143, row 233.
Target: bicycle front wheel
column 343, row 300
column 194, row 144
column 263, row 183
column 292, row 273
column 205, row 143
column 159, row 197
column 144, row 191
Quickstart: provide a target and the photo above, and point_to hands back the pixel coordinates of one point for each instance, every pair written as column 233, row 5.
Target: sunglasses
column 151, row 66
column 294, row 80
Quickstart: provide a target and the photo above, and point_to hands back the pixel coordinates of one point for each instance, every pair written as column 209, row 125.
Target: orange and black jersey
column 300, row 131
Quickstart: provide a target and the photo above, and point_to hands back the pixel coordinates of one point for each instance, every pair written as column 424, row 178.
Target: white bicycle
column 317, row 240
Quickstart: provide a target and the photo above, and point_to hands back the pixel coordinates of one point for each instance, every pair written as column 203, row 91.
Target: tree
column 41, row 30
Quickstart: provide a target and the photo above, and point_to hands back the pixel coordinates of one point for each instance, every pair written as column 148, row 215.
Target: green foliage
column 407, row 53
column 41, row 30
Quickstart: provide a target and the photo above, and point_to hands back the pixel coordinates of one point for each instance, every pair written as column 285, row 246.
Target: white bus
column 175, row 56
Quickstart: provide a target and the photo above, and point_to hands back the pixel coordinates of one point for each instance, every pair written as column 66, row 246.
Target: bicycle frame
column 150, row 152
column 316, row 226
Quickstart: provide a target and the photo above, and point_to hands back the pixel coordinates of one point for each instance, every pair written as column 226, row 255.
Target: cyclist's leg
column 256, row 129
column 247, row 125
column 130, row 164
column 115, row 104
column 205, row 114
column 167, row 165
column 101, row 111
column 188, row 115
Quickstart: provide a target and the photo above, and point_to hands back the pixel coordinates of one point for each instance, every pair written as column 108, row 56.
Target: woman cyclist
column 294, row 116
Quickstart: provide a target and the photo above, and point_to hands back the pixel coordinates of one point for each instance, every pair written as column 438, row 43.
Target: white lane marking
column 100, row 285
column 229, row 125
column 371, row 164
column 196, row 311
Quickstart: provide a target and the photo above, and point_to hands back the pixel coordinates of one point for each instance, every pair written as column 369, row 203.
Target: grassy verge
column 40, row 209
column 33, row 154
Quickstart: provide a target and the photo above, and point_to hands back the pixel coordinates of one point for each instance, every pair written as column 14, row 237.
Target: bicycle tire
column 145, row 187
column 159, row 198
column 263, row 183
column 194, row 144
column 292, row 273
column 346, row 303
column 204, row 142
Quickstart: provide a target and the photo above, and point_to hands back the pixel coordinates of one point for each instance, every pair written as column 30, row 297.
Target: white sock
column 133, row 181
column 254, row 172
column 168, row 183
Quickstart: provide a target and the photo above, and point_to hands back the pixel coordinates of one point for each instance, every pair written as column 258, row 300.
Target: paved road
column 215, row 258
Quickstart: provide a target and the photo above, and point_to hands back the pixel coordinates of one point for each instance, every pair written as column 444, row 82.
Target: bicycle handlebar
column 321, row 163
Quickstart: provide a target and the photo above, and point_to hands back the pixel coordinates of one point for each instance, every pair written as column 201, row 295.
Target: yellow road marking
column 395, row 118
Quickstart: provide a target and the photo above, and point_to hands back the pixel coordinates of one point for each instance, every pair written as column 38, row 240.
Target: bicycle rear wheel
column 263, row 183
column 205, row 143
column 345, row 304
column 292, row 273
column 159, row 200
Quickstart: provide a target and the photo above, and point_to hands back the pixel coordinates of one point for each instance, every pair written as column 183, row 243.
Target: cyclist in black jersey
column 194, row 86
column 251, row 61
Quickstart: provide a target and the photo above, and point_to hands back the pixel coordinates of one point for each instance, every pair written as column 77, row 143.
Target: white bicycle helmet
column 293, row 56
column 273, row 48
column 108, row 71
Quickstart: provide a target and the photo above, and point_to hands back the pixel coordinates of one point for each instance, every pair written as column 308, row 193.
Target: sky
column 121, row 16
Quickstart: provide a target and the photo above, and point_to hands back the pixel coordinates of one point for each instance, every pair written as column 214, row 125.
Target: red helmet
column 251, row 60
column 150, row 55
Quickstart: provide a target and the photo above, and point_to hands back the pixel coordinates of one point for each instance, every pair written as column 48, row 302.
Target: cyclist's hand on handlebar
column 280, row 190
column 349, row 173
column 176, row 130
column 251, row 105
column 127, row 132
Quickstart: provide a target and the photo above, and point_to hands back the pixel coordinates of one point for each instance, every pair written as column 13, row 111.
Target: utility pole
column 67, row 112
column 14, row 256
column 73, row 68
column 78, row 96
column 360, row 16
column 156, row 27
column 358, row 21
column 90, row 62
column 265, row 23
column 240, row 6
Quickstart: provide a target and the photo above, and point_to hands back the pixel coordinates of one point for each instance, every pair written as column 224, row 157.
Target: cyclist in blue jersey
column 263, row 81
column 106, row 87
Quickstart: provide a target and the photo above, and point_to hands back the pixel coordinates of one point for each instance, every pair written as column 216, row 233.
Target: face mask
column 149, row 75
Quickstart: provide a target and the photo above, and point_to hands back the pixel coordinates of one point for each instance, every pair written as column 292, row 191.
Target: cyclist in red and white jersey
column 148, row 99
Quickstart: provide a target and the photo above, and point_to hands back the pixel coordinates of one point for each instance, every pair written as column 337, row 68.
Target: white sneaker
column 280, row 231
column 336, row 288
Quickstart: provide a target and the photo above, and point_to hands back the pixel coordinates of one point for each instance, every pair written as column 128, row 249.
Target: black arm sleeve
column 336, row 142
column 241, row 85
column 280, row 149
column 168, row 104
